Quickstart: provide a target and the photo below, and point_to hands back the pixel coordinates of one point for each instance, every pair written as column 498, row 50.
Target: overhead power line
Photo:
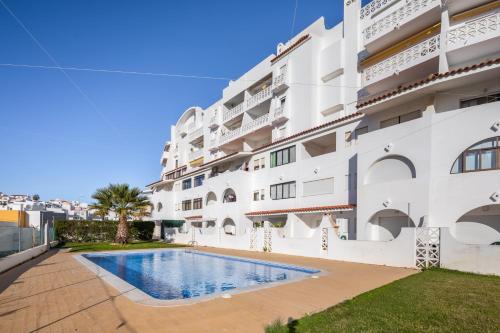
column 54, row 61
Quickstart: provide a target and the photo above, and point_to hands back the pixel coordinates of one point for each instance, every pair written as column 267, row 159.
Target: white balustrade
column 279, row 111
column 259, row 97
column 473, row 31
column 375, row 6
column 394, row 19
column 194, row 134
column 405, row 59
column 280, row 79
column 233, row 112
column 246, row 128
column 194, row 155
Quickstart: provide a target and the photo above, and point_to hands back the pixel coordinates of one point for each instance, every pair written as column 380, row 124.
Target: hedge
column 100, row 231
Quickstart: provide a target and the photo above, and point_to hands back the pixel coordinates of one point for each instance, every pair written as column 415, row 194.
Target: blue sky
column 56, row 144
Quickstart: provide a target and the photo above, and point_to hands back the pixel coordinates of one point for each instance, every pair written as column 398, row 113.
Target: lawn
column 90, row 247
column 434, row 300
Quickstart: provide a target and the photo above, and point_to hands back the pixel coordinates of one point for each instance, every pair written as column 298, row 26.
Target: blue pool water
column 180, row 274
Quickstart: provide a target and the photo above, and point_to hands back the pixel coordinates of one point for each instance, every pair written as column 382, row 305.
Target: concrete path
column 55, row 293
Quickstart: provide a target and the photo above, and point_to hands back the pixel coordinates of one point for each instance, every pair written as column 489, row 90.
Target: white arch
column 480, row 225
column 390, row 168
column 386, row 224
column 229, row 195
column 211, row 199
column 229, row 226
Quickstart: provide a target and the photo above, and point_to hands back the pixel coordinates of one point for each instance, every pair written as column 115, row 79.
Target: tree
column 36, row 197
column 125, row 202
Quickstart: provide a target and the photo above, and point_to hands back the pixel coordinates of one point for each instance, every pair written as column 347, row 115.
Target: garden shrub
column 100, row 231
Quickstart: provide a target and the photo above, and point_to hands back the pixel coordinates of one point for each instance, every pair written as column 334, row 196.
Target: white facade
column 345, row 144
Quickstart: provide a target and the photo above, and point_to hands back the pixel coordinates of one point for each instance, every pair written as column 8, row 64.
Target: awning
column 195, row 218
column 308, row 210
column 172, row 223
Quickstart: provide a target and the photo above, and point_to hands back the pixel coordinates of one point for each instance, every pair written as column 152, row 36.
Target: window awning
column 308, row 210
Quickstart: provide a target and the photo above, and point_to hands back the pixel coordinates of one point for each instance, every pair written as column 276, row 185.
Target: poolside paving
column 56, row 293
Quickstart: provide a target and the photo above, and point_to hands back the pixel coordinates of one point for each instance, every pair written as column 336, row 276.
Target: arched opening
column 479, row 226
column 482, row 156
column 390, row 168
column 386, row 224
column 229, row 226
column 211, row 199
column 229, row 196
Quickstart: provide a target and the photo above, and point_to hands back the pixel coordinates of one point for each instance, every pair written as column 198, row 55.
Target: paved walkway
column 55, row 293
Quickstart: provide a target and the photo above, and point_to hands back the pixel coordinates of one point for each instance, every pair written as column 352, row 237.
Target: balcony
column 280, row 114
column 194, row 155
column 399, row 21
column 245, row 129
column 164, row 157
column 181, row 130
column 473, row 39
column 375, row 7
column 195, row 134
column 280, row 82
column 260, row 97
column 213, row 144
column 233, row 112
column 399, row 64
column 213, row 122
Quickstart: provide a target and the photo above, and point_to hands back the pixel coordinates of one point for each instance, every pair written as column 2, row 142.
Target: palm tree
column 124, row 202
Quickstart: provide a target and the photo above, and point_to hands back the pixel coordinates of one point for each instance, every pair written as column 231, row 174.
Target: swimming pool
column 178, row 274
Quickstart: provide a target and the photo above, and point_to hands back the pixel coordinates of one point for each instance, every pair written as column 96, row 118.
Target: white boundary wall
column 484, row 259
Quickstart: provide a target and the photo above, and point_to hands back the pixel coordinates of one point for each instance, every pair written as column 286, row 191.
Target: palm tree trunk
column 122, row 231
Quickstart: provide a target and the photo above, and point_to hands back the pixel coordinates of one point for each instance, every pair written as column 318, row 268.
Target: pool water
column 183, row 274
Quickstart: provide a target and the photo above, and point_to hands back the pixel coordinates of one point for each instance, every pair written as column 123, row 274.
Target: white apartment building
column 376, row 141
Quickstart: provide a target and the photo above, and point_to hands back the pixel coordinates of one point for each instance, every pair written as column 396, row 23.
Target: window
column 186, row 205
column 256, row 196
column 197, row 203
column 262, row 194
column 229, row 196
column 360, row 131
column 256, row 165
column 283, row 156
column 282, row 101
column 484, row 155
column 283, row 191
column 348, row 138
column 480, row 100
column 262, row 162
column 198, row 180
column 401, row 119
column 186, row 184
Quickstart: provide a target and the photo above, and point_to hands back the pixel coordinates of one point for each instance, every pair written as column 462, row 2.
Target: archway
column 229, row 226
column 211, row 199
column 385, row 225
column 390, row 168
column 229, row 196
column 479, row 226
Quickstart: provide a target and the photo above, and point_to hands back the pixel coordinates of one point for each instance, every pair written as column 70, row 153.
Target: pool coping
column 140, row 297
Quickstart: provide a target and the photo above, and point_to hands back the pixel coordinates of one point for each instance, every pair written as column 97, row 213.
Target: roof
column 430, row 78
column 194, row 217
column 288, row 138
column 320, row 209
column 292, row 47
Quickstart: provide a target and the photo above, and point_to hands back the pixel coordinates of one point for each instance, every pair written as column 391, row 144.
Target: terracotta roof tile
column 430, row 78
column 288, row 138
column 302, row 210
column 292, row 47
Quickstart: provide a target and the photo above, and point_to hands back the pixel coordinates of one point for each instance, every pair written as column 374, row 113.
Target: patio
column 55, row 293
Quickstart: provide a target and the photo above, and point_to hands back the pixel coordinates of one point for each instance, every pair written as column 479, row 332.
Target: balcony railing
column 473, row 31
column 411, row 8
column 213, row 121
column 246, row 128
column 194, row 155
column 195, row 133
column 233, row 112
column 405, row 59
column 260, row 97
column 212, row 143
column 375, row 6
column 280, row 79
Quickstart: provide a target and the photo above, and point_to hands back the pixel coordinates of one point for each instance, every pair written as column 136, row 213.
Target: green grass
column 434, row 300
column 91, row 247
